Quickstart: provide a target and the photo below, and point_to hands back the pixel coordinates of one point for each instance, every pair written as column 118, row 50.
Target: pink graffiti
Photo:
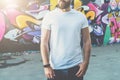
column 2, row 25
column 115, row 28
column 12, row 14
column 94, row 8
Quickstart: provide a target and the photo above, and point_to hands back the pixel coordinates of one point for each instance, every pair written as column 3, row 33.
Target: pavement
column 27, row 65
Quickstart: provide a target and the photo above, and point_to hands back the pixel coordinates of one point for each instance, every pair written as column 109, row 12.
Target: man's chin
column 63, row 7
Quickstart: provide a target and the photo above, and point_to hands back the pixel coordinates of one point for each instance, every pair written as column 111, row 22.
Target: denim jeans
column 67, row 74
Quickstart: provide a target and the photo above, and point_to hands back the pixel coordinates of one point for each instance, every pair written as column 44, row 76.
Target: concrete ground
column 104, row 65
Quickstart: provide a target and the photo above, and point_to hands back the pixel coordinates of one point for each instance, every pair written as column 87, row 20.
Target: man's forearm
column 44, row 53
column 86, row 51
column 44, row 45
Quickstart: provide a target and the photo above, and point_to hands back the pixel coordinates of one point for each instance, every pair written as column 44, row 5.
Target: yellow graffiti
column 53, row 4
column 90, row 15
column 118, row 19
column 117, row 1
column 22, row 20
column 77, row 4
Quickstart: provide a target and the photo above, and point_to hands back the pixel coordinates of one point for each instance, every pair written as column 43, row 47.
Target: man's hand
column 49, row 72
column 82, row 70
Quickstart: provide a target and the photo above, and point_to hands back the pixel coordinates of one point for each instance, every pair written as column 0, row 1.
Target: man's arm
column 45, row 52
column 86, row 52
column 44, row 46
column 86, row 45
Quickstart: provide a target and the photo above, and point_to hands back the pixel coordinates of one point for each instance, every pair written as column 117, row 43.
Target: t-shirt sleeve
column 85, row 22
column 46, row 22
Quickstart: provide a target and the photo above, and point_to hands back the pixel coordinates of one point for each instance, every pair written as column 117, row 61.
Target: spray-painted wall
column 20, row 26
column 103, row 18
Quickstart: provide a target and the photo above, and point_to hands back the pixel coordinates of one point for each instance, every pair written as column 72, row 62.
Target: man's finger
column 79, row 71
column 48, row 76
column 52, row 75
column 81, row 74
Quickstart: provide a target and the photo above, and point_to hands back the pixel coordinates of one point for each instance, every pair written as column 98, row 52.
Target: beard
column 63, row 5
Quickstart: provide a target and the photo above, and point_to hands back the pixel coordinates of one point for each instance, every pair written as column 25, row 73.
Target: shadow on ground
column 9, row 61
column 5, row 65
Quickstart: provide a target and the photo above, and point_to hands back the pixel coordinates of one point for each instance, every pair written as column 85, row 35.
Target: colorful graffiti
column 104, row 19
column 23, row 25
column 107, row 16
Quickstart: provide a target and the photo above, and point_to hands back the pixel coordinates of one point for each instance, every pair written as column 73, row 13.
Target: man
column 61, row 52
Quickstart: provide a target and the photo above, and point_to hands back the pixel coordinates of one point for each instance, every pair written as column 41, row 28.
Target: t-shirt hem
column 55, row 68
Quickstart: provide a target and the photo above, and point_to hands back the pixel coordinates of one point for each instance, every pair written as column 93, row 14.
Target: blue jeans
column 67, row 74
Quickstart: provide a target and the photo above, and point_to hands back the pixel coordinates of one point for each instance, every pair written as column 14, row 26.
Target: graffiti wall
column 103, row 18
column 20, row 23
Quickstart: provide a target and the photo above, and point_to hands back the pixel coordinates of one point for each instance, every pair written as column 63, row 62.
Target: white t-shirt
column 65, row 37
